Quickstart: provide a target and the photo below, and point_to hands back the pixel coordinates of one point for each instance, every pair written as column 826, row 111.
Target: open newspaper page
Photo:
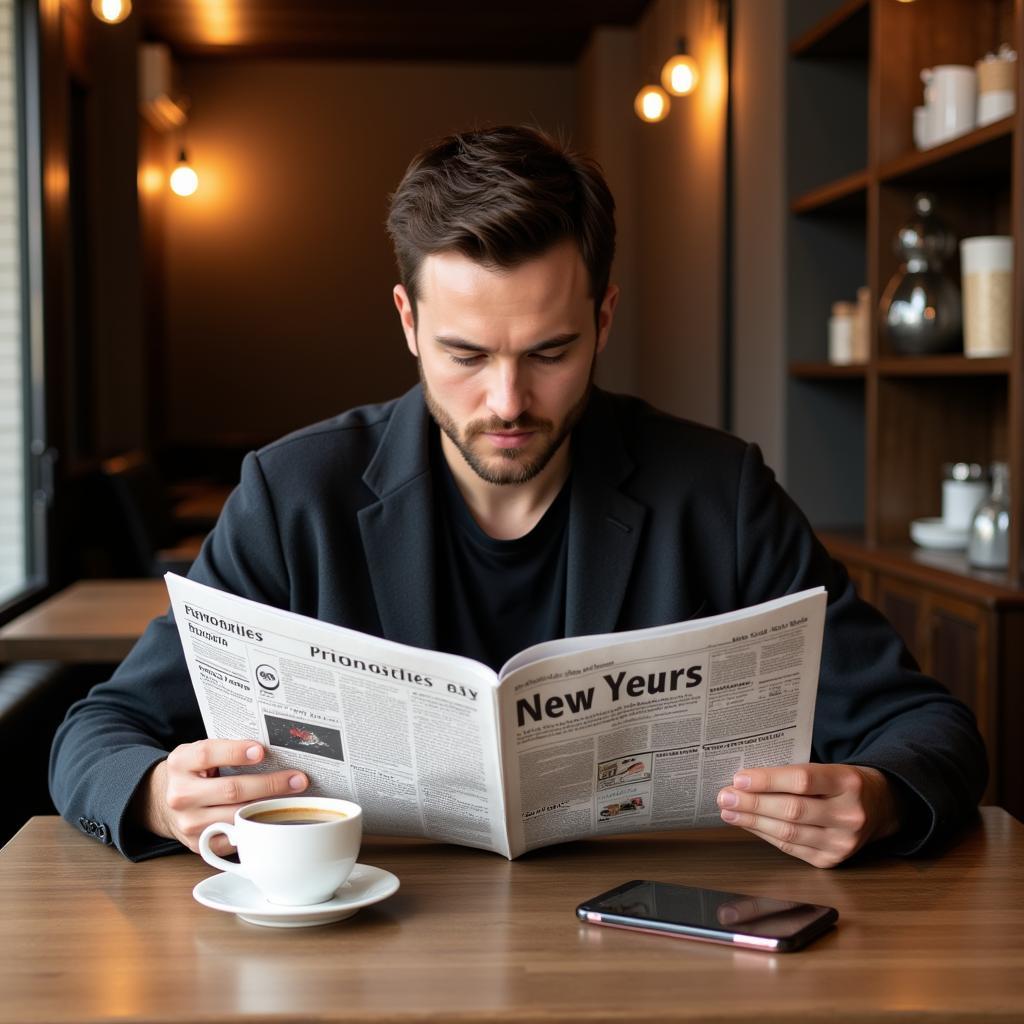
column 409, row 735
column 639, row 731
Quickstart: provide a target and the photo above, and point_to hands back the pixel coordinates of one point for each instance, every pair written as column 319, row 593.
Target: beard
column 508, row 465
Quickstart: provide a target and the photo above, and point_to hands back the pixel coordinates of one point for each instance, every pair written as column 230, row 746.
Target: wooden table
column 88, row 936
column 90, row 621
column 199, row 504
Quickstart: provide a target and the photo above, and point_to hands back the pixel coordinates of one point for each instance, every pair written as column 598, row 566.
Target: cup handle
column 219, row 827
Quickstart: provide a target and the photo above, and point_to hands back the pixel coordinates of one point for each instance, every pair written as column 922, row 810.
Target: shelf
column 844, row 33
column 945, row 570
column 943, row 366
column 981, row 155
column 905, row 366
column 826, row 371
column 848, row 195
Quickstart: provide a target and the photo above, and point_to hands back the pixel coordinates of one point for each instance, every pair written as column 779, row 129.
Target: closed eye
column 537, row 357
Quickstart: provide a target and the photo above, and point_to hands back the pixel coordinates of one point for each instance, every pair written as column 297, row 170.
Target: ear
column 404, row 306
column 606, row 314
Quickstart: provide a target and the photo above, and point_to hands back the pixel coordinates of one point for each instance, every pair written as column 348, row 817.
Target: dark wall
column 278, row 271
column 759, row 226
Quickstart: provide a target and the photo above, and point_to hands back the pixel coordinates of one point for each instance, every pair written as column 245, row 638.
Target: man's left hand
column 821, row 813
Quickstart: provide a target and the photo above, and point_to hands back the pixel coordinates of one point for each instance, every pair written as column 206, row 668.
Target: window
column 18, row 550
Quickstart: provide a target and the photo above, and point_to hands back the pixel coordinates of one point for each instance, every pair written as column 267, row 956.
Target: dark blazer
column 668, row 520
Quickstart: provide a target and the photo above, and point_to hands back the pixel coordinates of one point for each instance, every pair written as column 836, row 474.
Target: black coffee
column 296, row 816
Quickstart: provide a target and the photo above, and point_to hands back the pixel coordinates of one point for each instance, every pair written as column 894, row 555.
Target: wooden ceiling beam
column 528, row 30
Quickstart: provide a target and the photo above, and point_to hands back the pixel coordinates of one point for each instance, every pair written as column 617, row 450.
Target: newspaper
column 584, row 736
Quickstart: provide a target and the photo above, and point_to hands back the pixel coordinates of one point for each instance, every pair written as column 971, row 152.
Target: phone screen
column 731, row 917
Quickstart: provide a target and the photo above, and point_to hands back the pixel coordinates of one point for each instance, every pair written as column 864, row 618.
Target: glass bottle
column 920, row 308
column 989, row 545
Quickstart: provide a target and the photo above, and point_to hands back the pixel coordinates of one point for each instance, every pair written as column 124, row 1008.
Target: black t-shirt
column 496, row 597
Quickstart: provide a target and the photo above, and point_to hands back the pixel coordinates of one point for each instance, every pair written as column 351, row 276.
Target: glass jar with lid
column 920, row 308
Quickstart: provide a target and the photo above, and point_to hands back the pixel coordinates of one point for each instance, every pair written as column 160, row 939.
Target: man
column 505, row 501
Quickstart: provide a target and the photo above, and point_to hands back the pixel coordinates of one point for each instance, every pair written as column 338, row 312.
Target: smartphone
column 682, row 911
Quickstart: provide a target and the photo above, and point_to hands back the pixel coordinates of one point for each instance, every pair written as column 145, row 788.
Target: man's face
column 506, row 357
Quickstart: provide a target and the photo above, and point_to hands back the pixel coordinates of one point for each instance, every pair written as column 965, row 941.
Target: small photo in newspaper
column 631, row 770
column 621, row 810
column 310, row 739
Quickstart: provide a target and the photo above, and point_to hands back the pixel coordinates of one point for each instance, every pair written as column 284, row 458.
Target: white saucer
column 239, row 896
column 935, row 534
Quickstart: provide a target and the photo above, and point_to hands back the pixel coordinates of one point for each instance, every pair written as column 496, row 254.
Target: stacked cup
column 986, row 267
column 950, row 104
column 997, row 85
column 958, row 97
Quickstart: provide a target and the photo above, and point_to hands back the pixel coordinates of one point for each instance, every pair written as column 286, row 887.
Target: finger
column 805, row 779
column 837, row 842
column 190, row 825
column 208, row 755
column 219, row 845
column 781, row 806
column 813, row 856
column 785, row 831
column 246, row 787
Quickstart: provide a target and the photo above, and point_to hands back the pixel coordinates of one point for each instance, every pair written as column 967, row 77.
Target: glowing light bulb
column 680, row 75
column 652, row 104
column 184, row 180
column 112, row 11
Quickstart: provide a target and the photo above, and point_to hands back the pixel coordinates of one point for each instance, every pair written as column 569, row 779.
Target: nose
column 508, row 396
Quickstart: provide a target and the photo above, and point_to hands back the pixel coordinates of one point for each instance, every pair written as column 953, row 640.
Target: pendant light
column 680, row 73
column 184, row 180
column 112, row 11
column 652, row 104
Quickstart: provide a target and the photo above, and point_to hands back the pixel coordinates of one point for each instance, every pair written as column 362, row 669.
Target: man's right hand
column 185, row 793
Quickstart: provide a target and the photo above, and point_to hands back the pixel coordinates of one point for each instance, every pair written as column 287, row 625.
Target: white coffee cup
column 959, row 500
column 291, row 864
column 951, row 94
column 922, row 127
column 986, row 270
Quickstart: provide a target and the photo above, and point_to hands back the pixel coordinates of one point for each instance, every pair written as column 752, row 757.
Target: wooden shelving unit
column 827, row 371
column 866, row 444
column 979, row 155
column 848, row 194
column 924, row 366
column 983, row 153
column 943, row 366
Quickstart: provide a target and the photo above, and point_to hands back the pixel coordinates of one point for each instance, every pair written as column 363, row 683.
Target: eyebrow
column 558, row 341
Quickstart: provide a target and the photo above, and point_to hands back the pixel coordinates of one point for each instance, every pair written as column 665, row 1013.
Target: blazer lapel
column 398, row 530
column 604, row 524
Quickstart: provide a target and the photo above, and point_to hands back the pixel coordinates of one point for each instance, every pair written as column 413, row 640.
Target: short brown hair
column 501, row 196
